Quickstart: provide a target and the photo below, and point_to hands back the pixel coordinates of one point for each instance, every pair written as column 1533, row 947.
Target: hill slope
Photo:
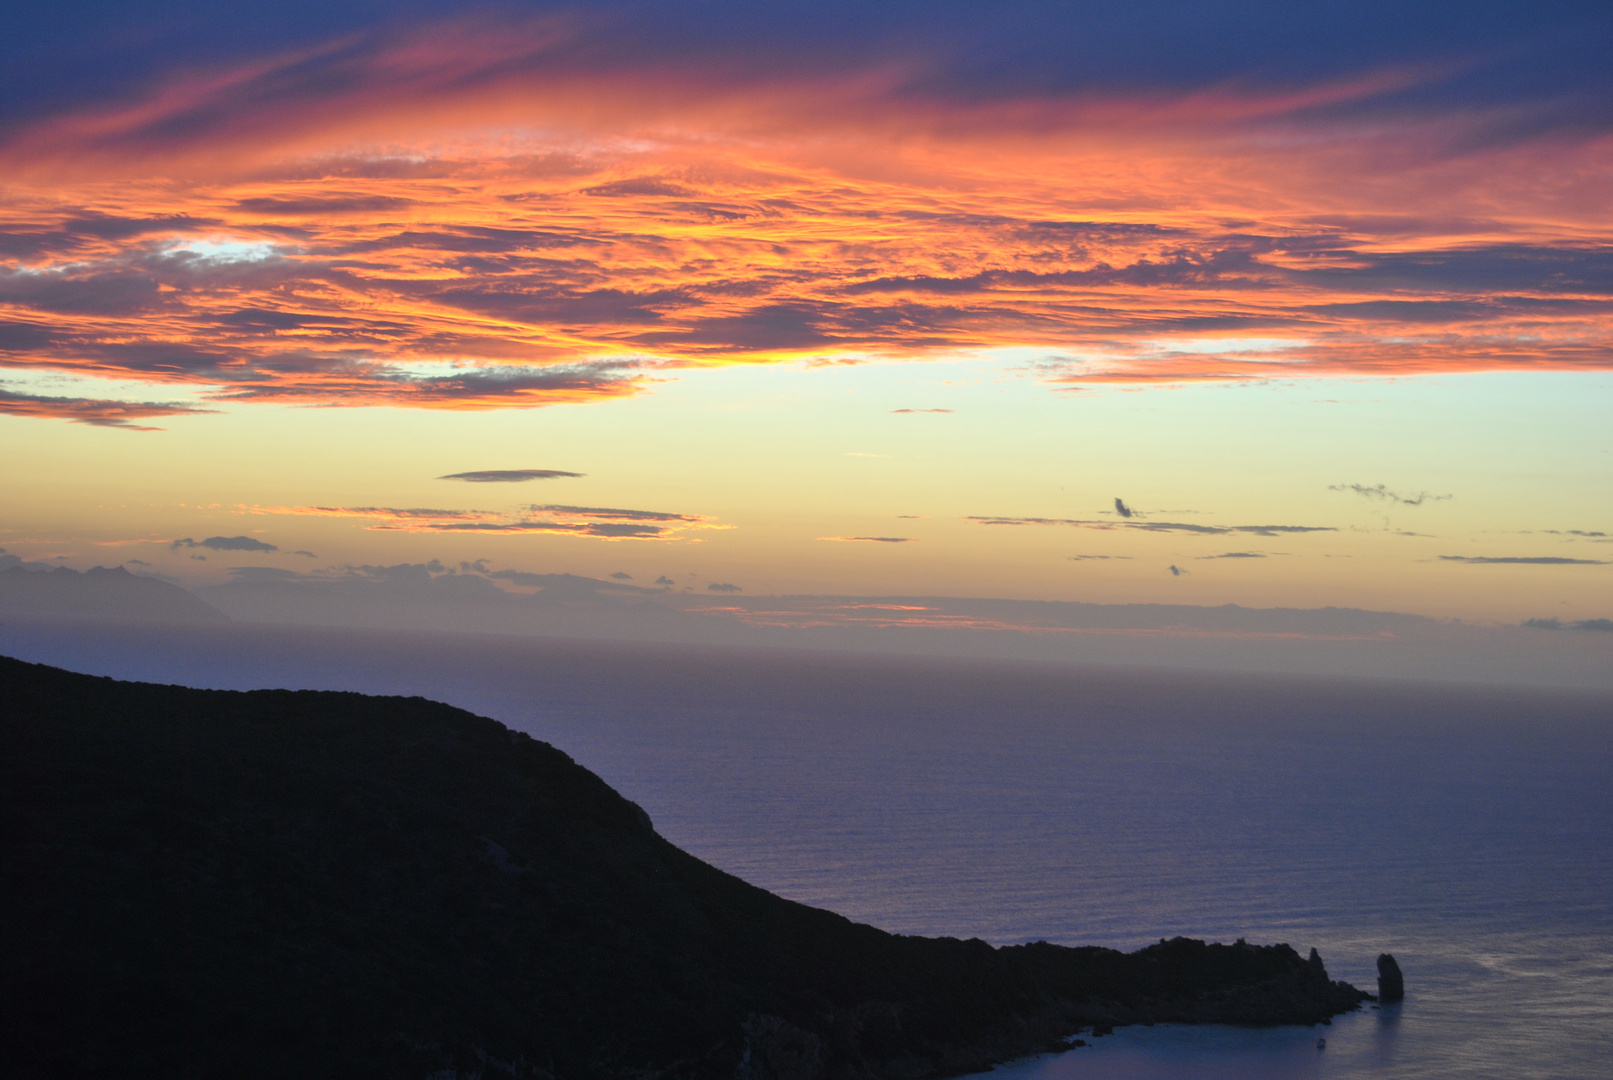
column 276, row 883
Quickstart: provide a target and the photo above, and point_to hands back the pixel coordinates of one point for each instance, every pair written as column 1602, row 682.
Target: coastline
column 467, row 892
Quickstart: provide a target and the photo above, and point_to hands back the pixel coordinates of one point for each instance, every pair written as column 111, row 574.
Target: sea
column 1466, row 830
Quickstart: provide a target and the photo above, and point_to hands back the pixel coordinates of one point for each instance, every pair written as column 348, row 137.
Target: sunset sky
column 1196, row 303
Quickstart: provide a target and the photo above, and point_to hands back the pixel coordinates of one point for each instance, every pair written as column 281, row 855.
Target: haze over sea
column 1467, row 831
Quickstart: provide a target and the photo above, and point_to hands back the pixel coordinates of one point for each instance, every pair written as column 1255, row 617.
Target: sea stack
column 1391, row 987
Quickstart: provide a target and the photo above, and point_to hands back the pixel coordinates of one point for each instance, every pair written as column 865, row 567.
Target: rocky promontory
column 276, row 883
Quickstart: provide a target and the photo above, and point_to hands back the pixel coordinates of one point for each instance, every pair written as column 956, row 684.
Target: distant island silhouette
column 99, row 592
column 307, row 884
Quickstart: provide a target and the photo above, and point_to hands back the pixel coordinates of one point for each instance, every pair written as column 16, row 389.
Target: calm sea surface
column 1469, row 832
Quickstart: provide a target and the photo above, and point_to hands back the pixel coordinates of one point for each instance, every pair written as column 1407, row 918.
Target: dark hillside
column 274, row 884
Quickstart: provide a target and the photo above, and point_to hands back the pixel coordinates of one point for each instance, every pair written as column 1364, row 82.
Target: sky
column 1207, row 303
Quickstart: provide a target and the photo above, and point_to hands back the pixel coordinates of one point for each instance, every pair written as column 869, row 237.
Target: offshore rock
column 1391, row 987
column 208, row 884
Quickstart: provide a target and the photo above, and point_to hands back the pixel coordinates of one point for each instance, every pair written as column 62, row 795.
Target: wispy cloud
column 1593, row 535
column 1521, row 560
column 1236, row 555
column 871, row 539
column 1597, row 626
column 612, row 514
column 95, row 411
column 900, row 411
column 226, row 543
column 1381, row 493
column 509, row 476
column 379, row 513
column 599, row 523
column 724, row 586
column 1156, row 526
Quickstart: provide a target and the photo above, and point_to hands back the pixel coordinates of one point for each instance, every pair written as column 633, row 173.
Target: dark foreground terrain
column 299, row 884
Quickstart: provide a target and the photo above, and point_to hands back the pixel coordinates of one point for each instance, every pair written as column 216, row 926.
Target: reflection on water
column 1385, row 1033
column 1469, row 833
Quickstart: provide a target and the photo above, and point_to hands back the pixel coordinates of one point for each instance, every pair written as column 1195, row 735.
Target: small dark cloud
column 365, row 204
column 1176, row 571
column 269, row 319
column 612, row 513
column 1181, row 270
column 1088, row 558
column 131, row 562
column 664, row 580
column 1521, row 560
column 115, row 292
column 622, row 575
column 871, row 539
column 723, row 586
column 1596, row 626
column 597, row 307
column 309, row 554
column 899, row 411
column 910, row 517
column 1235, row 555
column 107, row 227
column 1381, row 493
column 637, row 185
column 509, row 476
column 1408, row 311
column 611, row 530
column 199, row 558
column 1122, row 509
column 768, row 326
column 225, row 543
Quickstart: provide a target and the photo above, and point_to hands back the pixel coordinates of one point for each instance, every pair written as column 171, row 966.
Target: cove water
column 1467, row 831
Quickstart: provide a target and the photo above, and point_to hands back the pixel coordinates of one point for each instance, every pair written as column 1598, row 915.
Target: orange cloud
column 492, row 216
column 600, row 523
column 120, row 414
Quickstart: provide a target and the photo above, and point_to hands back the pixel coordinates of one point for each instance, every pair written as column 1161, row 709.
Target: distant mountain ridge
column 277, row 883
column 99, row 592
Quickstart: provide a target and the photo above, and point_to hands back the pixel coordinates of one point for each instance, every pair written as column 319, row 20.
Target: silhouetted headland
column 277, row 883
